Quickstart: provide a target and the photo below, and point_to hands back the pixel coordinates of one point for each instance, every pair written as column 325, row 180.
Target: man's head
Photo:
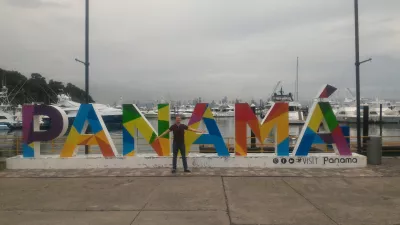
column 178, row 119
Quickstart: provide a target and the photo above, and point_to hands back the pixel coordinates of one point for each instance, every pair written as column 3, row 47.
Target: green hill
column 36, row 89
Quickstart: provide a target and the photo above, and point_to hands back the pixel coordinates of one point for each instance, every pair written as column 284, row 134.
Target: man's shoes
column 187, row 171
column 173, row 171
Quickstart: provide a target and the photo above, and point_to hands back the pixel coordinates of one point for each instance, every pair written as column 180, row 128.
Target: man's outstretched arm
column 165, row 132
column 194, row 130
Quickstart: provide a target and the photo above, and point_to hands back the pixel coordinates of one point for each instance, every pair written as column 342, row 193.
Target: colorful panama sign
column 277, row 117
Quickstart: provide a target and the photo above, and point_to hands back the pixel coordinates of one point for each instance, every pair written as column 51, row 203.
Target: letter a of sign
column 88, row 115
column 322, row 112
column 203, row 112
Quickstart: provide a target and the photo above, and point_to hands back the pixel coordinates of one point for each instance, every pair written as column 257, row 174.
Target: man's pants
column 175, row 148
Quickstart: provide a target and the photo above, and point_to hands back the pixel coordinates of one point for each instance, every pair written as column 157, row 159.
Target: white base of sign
column 195, row 160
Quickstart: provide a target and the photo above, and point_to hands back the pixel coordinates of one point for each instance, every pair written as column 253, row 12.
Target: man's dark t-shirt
column 179, row 132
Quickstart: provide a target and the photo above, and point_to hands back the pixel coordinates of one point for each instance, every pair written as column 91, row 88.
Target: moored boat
column 109, row 114
column 296, row 115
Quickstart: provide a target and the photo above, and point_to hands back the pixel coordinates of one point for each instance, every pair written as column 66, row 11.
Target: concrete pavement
column 202, row 199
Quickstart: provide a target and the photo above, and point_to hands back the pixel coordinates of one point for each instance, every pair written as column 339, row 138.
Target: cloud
column 37, row 3
column 143, row 50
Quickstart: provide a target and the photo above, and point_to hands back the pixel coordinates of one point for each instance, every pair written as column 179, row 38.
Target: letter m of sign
column 277, row 117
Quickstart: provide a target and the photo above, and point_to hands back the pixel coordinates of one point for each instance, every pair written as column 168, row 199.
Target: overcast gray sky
column 181, row 49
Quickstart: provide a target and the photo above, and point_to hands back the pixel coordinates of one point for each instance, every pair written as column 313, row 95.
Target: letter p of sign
column 31, row 133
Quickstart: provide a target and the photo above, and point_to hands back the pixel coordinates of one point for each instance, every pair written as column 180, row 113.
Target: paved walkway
column 208, row 196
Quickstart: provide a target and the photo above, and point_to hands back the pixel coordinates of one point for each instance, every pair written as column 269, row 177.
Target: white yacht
column 6, row 121
column 389, row 114
column 296, row 115
column 184, row 111
column 7, row 117
column 348, row 113
column 224, row 110
column 109, row 114
column 153, row 113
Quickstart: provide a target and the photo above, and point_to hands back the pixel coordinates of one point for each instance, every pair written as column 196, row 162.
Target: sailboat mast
column 297, row 80
column 3, row 79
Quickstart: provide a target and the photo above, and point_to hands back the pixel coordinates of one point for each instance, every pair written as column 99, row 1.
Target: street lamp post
column 358, row 63
column 87, row 52
column 86, row 62
column 357, row 77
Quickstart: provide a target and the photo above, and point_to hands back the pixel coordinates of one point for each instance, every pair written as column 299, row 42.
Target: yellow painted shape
column 92, row 141
column 282, row 129
column 239, row 150
column 143, row 127
column 68, row 150
column 191, row 136
column 163, row 113
column 130, row 127
column 83, row 137
column 165, row 146
column 316, row 119
column 132, row 153
column 208, row 114
column 195, row 125
column 102, row 136
column 71, row 143
column 265, row 129
column 73, row 135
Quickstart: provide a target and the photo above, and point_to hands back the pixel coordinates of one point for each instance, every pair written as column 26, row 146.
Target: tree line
column 23, row 90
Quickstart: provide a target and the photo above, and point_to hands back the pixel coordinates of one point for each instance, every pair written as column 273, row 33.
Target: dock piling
column 365, row 126
column 374, row 150
column 380, row 120
column 253, row 136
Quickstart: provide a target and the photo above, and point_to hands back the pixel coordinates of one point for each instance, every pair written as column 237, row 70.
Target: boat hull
column 4, row 127
column 151, row 116
column 108, row 119
column 296, row 122
column 385, row 119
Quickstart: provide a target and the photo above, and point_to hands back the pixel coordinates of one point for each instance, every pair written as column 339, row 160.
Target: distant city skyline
column 177, row 49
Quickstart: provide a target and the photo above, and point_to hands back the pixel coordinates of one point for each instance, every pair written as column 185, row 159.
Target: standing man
column 179, row 142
